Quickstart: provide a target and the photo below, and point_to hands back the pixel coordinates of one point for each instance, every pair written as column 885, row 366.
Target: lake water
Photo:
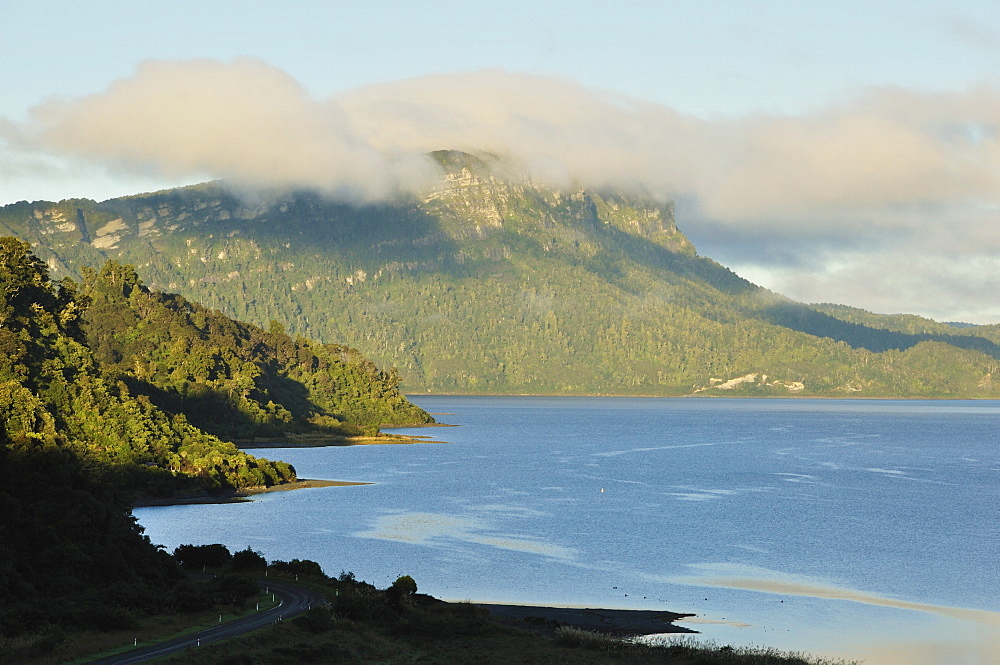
column 868, row 529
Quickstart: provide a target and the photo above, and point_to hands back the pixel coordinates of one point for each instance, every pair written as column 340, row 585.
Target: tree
column 203, row 556
column 404, row 586
column 248, row 560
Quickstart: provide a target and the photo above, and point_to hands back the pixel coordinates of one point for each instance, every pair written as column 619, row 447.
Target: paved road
column 294, row 601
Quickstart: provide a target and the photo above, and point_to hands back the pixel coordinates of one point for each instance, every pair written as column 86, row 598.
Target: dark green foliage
column 248, row 561
column 233, row 379
column 318, row 619
column 75, row 448
column 197, row 557
column 71, row 554
column 54, row 393
column 231, row 589
column 404, row 585
column 81, row 433
column 299, row 567
column 401, row 593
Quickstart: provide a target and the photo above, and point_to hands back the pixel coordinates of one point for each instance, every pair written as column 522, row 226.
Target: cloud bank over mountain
column 890, row 170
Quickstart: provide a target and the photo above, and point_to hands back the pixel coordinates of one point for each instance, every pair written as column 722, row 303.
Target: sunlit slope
column 229, row 378
column 56, row 400
column 494, row 284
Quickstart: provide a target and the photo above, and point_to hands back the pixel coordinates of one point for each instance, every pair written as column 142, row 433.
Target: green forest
column 109, row 391
column 231, row 379
column 55, row 396
column 151, row 389
column 493, row 284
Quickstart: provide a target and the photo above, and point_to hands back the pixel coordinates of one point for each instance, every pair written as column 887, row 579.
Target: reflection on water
column 438, row 530
column 769, row 581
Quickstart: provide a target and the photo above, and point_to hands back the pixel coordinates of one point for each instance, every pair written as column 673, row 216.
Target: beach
column 237, row 495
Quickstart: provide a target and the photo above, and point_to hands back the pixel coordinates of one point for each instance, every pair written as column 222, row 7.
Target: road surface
column 293, row 601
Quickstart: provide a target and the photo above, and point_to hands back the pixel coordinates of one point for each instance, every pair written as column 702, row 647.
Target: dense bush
column 248, row 561
column 203, row 556
column 299, row 567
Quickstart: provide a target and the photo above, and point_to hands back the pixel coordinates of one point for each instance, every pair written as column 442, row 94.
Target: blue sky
column 832, row 151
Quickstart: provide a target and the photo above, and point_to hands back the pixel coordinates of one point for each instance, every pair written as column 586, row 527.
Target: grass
column 362, row 625
column 462, row 634
column 80, row 647
column 687, row 649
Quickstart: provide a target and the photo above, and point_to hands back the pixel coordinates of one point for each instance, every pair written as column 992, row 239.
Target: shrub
column 203, row 556
column 248, row 561
column 404, row 586
column 317, row 620
column 299, row 567
column 231, row 589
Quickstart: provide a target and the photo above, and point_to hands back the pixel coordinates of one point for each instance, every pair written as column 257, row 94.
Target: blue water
column 750, row 514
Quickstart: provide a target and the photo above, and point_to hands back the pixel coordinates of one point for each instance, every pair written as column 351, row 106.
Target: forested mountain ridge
column 492, row 283
column 54, row 396
column 133, row 382
column 75, row 448
column 232, row 379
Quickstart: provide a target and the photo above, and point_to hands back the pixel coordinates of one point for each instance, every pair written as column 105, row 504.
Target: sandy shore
column 327, row 440
column 615, row 622
column 296, row 441
column 238, row 496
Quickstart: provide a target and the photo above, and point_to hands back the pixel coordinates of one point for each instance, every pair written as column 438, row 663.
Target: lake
column 860, row 528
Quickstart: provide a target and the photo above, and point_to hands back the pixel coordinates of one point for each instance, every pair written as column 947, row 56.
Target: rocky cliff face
column 473, row 200
column 472, row 203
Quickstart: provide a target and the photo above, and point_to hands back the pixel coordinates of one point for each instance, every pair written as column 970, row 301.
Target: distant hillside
column 907, row 323
column 494, row 284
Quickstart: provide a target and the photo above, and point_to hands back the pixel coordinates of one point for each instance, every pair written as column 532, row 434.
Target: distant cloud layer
column 920, row 171
column 242, row 120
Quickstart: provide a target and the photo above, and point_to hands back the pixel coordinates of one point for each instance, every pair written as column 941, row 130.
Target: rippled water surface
column 842, row 527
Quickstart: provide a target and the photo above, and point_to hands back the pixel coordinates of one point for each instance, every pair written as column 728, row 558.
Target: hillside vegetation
column 109, row 391
column 55, row 398
column 492, row 283
column 232, row 379
column 75, row 447
column 84, row 370
column 142, row 385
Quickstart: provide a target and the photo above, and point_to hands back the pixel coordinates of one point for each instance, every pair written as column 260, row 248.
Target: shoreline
column 704, row 395
column 239, row 496
column 294, row 441
column 617, row 622
column 331, row 440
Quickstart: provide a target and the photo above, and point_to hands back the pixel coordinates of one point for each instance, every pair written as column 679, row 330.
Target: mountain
column 493, row 283
column 75, row 446
column 229, row 378
column 109, row 390
column 54, row 396
column 140, row 386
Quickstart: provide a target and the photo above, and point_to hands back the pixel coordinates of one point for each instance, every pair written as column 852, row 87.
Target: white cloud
column 242, row 120
column 893, row 174
column 247, row 120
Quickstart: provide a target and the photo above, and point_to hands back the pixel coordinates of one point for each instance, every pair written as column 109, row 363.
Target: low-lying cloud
column 252, row 122
column 245, row 121
column 889, row 169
